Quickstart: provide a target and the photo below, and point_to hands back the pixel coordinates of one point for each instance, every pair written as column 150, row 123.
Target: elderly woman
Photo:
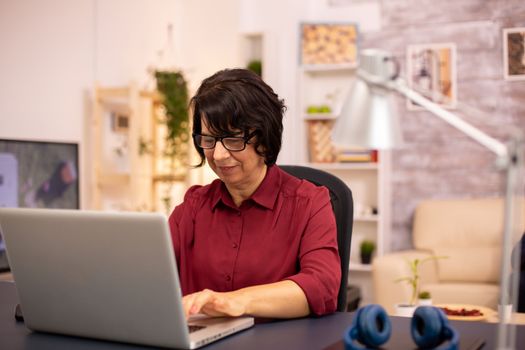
column 257, row 241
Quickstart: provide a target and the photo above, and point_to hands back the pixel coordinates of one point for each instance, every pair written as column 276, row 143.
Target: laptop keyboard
column 194, row 328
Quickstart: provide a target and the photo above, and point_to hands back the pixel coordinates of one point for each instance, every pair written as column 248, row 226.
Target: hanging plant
column 174, row 93
column 174, row 97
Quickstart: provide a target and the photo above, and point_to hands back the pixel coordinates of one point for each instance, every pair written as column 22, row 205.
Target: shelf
column 113, row 179
column 319, row 68
column 367, row 218
column 359, row 267
column 345, row 166
column 169, row 178
column 368, row 178
column 320, row 116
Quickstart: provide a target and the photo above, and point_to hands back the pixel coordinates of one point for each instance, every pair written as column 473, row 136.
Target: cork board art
column 319, row 141
column 327, row 44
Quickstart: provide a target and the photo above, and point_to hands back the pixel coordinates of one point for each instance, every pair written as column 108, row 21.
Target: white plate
column 486, row 312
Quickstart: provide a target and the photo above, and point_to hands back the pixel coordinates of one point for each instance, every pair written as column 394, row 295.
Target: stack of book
column 357, row 155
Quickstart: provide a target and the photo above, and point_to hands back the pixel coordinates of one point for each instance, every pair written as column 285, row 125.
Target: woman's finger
column 199, row 300
column 188, row 302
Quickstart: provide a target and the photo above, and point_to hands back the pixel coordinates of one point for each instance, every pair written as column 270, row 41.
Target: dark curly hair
column 238, row 99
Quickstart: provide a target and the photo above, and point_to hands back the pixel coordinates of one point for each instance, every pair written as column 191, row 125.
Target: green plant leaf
column 413, row 280
column 173, row 88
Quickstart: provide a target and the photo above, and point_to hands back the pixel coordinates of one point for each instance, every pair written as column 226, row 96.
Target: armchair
column 468, row 233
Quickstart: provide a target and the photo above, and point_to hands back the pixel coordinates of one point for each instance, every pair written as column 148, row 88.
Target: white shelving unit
column 369, row 181
column 126, row 175
column 118, row 181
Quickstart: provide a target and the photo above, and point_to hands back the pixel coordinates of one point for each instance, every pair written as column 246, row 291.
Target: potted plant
column 367, row 248
column 255, row 66
column 407, row 309
column 424, row 298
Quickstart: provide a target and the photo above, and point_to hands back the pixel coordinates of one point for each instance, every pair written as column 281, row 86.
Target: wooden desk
column 516, row 318
column 306, row 333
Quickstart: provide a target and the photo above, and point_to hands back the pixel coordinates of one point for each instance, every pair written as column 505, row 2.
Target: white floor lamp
column 368, row 119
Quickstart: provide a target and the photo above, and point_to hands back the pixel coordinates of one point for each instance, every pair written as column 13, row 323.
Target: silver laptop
column 103, row 275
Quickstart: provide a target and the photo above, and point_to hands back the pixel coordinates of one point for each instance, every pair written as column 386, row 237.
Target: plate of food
column 466, row 312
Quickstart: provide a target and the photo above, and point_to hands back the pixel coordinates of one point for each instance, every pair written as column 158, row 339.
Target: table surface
column 6, row 276
column 306, row 333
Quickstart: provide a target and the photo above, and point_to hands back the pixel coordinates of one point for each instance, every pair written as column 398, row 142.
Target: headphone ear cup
column 430, row 328
column 371, row 327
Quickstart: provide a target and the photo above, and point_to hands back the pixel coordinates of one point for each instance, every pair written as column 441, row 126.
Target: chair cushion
column 458, row 223
column 474, row 264
column 483, row 294
column 468, row 231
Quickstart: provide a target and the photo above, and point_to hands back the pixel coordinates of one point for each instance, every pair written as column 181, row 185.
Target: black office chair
column 343, row 206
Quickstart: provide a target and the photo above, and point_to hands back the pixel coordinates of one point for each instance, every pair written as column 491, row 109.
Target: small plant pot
column 366, row 258
column 405, row 310
column 425, row 302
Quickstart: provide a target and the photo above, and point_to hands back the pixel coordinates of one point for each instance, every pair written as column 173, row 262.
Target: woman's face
column 236, row 169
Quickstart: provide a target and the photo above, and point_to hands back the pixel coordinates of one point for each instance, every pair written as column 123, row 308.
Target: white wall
column 52, row 52
column 210, row 42
column 45, row 64
column 128, row 35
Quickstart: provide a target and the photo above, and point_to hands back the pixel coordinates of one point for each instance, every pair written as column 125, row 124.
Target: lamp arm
column 476, row 134
column 511, row 161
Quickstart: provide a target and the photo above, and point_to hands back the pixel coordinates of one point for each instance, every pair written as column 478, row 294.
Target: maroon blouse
column 285, row 231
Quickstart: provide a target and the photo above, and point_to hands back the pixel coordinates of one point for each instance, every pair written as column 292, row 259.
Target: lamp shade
column 368, row 118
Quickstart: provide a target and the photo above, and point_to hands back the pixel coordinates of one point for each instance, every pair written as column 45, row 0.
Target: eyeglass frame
column 246, row 140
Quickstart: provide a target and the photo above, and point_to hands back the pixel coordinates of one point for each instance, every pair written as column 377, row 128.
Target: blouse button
column 228, row 278
column 234, row 245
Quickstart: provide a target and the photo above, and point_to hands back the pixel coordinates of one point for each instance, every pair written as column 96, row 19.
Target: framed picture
column 514, row 53
column 431, row 71
column 328, row 44
column 119, row 122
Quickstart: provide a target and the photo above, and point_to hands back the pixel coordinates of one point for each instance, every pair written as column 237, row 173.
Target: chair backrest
column 343, row 206
column 474, row 225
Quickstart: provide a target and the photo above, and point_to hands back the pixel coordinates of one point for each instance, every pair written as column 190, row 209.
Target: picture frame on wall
column 431, row 71
column 514, row 53
column 323, row 44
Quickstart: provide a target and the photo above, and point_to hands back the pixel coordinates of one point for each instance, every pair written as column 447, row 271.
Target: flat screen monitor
column 37, row 174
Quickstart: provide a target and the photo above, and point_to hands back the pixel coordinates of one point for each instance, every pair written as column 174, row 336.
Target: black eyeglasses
column 231, row 143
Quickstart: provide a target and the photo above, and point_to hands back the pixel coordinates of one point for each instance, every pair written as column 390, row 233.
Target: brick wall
column 438, row 161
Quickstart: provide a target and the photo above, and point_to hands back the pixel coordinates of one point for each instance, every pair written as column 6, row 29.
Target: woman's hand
column 214, row 304
column 284, row 299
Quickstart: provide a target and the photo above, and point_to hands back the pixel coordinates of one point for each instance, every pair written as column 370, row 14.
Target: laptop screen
column 37, row 174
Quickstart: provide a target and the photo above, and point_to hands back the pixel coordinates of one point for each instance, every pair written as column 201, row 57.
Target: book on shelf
column 357, row 155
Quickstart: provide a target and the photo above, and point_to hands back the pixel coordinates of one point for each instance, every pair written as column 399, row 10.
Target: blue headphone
column 371, row 328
